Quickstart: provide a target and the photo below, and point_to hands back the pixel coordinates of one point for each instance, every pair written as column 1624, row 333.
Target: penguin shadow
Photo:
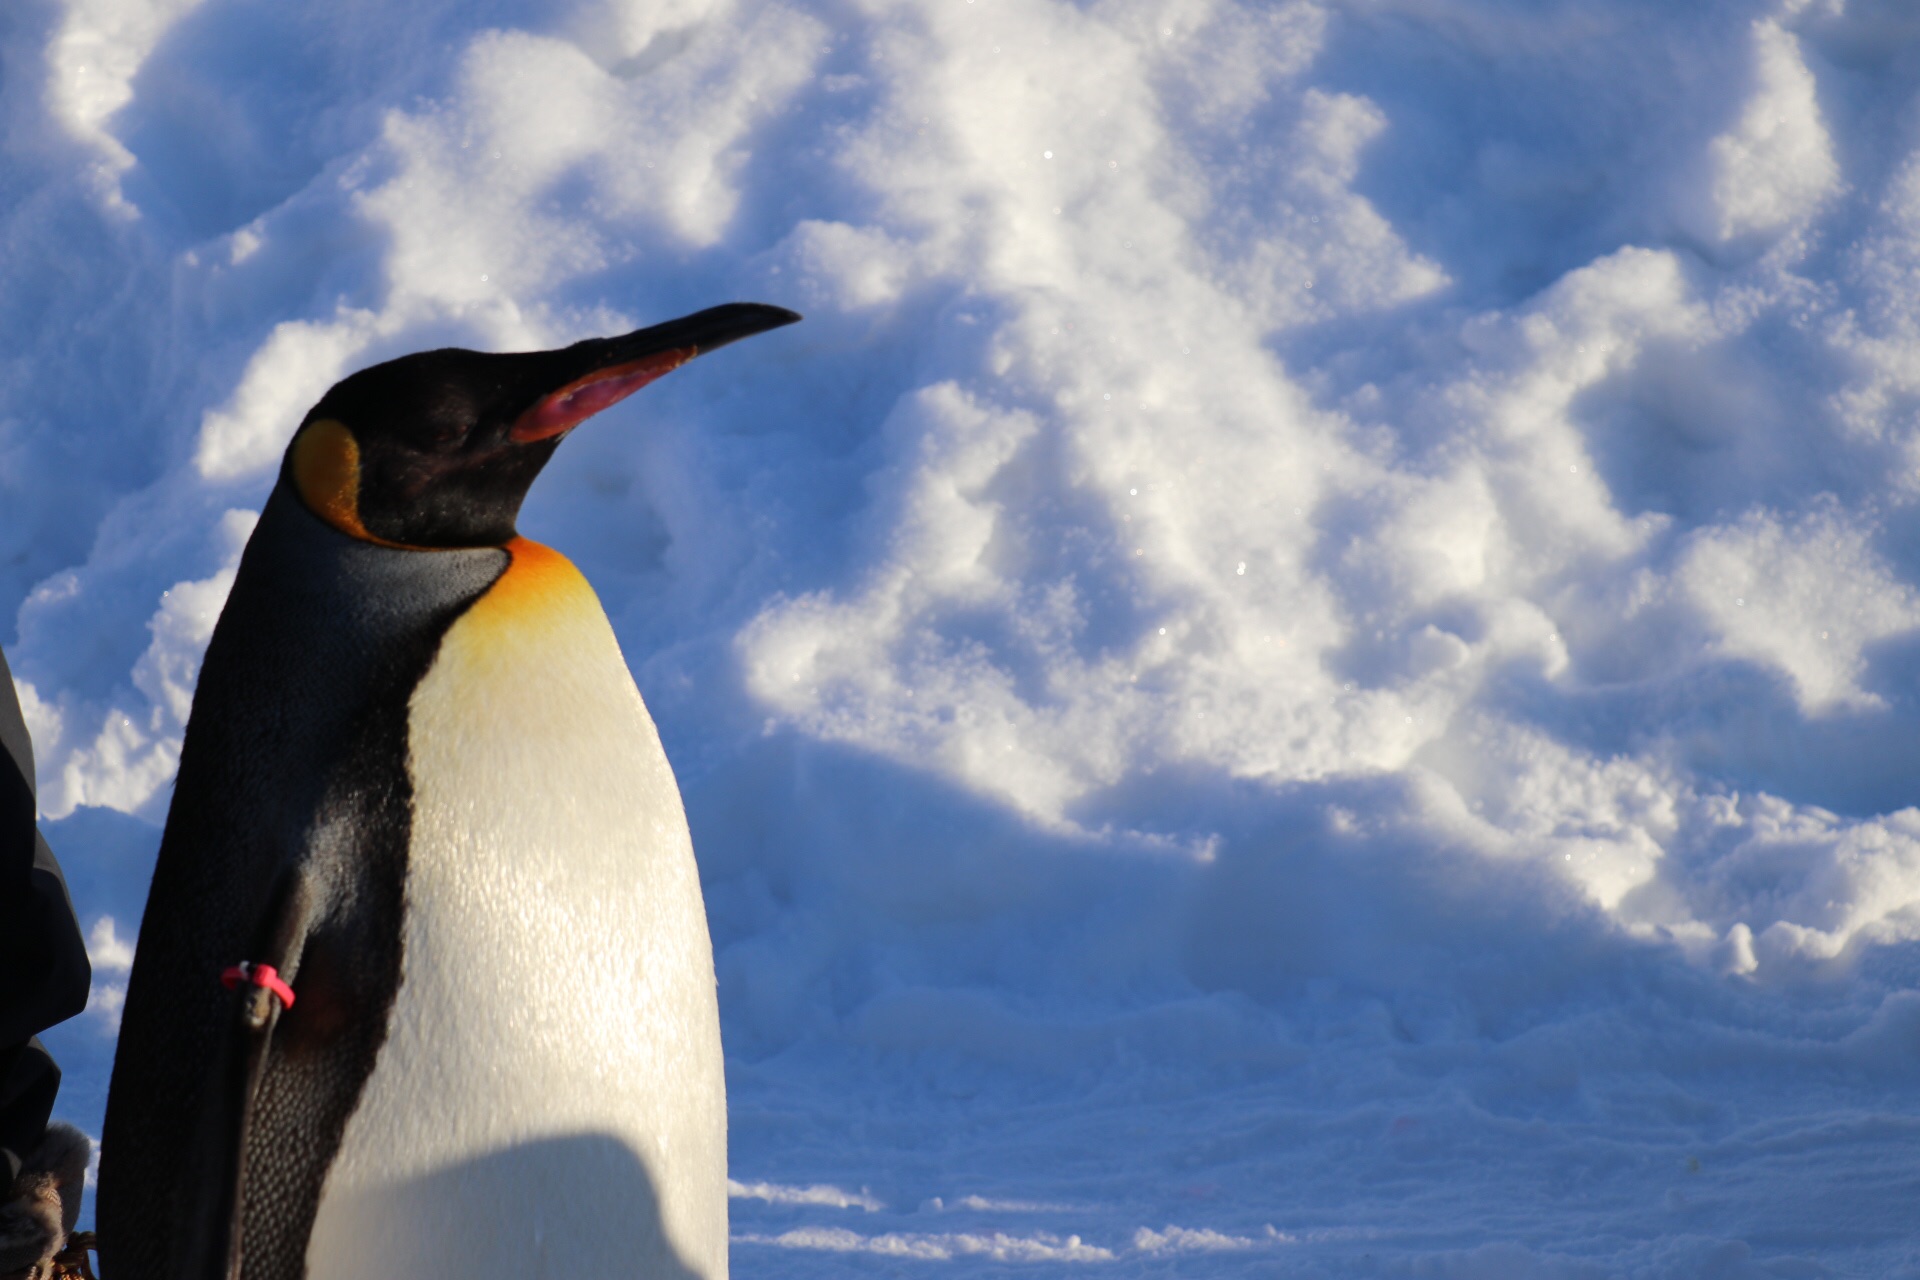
column 498, row 1215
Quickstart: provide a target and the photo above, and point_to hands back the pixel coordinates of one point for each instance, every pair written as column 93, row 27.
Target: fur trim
column 64, row 1152
column 44, row 1201
column 30, row 1226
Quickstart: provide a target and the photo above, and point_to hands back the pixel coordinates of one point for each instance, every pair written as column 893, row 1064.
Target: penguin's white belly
column 550, row 1100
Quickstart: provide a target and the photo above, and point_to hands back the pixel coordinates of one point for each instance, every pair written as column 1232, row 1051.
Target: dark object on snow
column 43, row 963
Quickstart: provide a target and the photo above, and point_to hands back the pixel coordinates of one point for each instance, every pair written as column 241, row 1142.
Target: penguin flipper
column 261, row 995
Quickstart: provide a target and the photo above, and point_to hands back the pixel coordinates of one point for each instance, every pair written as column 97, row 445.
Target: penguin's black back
column 295, row 761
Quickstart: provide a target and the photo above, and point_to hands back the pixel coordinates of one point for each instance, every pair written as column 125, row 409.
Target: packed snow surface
column 1308, row 665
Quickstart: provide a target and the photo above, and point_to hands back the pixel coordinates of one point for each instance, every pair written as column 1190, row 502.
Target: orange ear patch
column 580, row 399
column 326, row 471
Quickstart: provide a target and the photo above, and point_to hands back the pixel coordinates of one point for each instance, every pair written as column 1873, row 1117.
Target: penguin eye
column 446, row 428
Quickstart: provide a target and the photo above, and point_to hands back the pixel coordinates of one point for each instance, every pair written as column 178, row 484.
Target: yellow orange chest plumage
column 550, row 1097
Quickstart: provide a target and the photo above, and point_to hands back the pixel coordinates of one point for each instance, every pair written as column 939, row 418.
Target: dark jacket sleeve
column 44, row 973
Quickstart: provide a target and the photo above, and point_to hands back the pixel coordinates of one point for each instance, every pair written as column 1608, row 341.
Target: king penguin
column 424, row 988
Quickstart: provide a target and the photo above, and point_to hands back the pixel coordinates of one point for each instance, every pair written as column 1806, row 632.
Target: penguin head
column 438, row 449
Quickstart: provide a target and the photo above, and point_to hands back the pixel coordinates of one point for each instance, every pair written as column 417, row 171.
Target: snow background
column 1309, row 664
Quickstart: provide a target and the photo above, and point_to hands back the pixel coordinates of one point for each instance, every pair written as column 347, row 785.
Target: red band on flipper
column 260, row 975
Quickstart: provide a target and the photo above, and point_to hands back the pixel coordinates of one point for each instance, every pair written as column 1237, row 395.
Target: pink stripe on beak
column 562, row 410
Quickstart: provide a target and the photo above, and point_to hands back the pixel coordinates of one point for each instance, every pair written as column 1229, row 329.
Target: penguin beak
column 618, row 367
